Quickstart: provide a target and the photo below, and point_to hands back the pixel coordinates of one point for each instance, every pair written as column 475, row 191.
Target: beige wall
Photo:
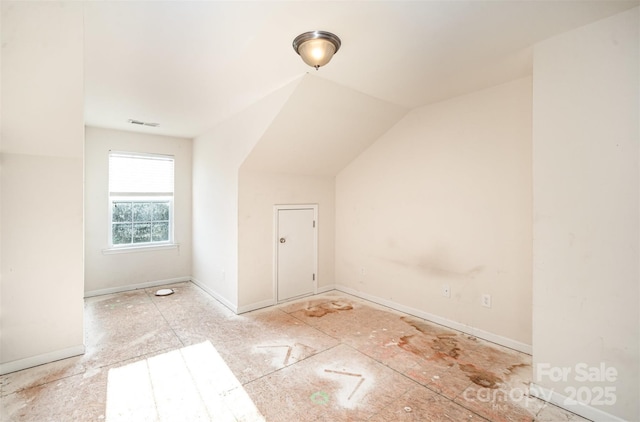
column 259, row 192
column 444, row 197
column 295, row 162
column 586, row 183
column 104, row 272
column 217, row 156
column 41, row 189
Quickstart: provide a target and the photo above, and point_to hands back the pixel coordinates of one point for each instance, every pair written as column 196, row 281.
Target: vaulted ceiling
column 320, row 129
column 189, row 65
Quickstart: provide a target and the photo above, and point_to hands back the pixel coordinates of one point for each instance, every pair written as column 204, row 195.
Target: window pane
column 141, row 232
column 160, row 232
column 120, row 211
column 161, row 211
column 121, row 233
column 141, row 191
column 142, row 211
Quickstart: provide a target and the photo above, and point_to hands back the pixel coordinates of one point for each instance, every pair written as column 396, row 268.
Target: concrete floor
column 332, row 357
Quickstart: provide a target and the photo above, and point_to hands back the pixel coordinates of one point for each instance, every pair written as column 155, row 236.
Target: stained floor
column 332, row 357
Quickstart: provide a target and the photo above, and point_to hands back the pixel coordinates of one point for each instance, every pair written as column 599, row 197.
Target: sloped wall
column 217, row 156
column 320, row 129
column 444, row 198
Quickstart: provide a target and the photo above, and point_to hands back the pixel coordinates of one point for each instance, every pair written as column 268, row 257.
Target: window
column 140, row 199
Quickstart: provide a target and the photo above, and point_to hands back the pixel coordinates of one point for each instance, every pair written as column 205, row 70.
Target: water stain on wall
column 437, row 264
column 327, row 308
column 434, row 266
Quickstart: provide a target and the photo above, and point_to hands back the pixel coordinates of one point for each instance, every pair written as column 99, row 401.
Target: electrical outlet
column 446, row 291
column 486, row 300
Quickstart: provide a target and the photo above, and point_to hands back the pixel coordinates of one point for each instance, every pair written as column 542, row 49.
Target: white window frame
column 141, row 197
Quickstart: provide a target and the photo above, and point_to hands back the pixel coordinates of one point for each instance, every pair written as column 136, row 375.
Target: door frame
column 275, row 239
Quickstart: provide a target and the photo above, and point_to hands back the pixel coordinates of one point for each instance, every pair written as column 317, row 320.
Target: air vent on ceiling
column 141, row 123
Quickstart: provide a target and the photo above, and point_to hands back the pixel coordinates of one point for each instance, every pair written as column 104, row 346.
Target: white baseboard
column 584, row 410
column 476, row 332
column 20, row 364
column 129, row 287
column 257, row 305
column 215, row 295
column 324, row 289
column 503, row 341
column 271, row 302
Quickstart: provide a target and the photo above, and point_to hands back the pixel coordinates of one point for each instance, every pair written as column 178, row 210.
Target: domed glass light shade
column 316, row 47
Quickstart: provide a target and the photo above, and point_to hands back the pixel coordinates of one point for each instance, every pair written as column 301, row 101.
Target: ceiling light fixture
column 316, row 47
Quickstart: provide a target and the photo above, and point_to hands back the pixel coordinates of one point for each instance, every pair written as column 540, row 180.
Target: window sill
column 147, row 248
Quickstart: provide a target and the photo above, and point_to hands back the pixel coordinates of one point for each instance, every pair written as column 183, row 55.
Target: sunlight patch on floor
column 192, row 384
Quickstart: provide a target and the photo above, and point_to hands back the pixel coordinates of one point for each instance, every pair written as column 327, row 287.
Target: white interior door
column 296, row 252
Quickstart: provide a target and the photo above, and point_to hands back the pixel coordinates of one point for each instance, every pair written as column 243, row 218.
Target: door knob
column 282, row 240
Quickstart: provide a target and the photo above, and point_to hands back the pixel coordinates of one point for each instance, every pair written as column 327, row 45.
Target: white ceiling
column 190, row 65
column 299, row 140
